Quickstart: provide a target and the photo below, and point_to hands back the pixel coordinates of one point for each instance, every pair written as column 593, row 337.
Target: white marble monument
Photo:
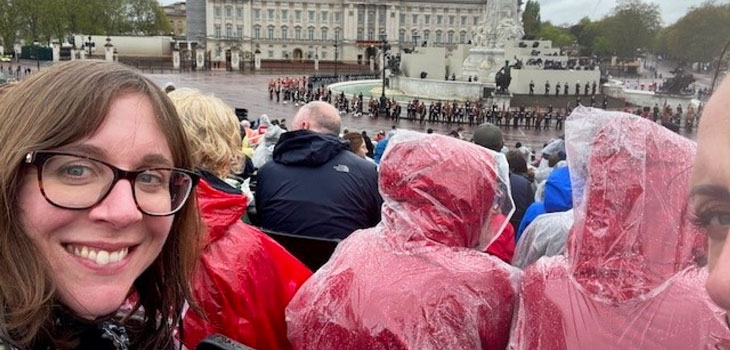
column 501, row 26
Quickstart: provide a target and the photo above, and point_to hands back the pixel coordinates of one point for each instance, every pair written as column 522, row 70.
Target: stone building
column 329, row 30
column 176, row 14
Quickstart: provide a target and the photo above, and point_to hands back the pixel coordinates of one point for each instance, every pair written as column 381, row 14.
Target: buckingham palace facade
column 329, row 30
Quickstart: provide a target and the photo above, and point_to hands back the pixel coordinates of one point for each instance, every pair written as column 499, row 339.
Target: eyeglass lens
column 76, row 182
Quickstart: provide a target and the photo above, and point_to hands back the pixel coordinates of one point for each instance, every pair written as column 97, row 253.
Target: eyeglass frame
column 39, row 158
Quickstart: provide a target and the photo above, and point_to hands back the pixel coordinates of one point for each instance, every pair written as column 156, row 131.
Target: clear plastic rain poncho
column 419, row 279
column 545, row 236
column 633, row 275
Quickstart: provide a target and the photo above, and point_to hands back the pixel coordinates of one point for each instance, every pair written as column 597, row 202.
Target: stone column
column 176, row 58
column 56, row 47
column 235, row 59
column 109, row 50
column 17, row 49
column 199, row 58
column 257, row 60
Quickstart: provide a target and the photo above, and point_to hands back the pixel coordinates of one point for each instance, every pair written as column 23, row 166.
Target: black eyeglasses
column 76, row 182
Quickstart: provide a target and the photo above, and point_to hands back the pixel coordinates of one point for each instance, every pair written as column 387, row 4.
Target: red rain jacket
column 244, row 280
column 419, row 279
column 632, row 275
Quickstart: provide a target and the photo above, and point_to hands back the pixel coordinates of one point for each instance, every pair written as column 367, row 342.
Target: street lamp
column 382, row 110
column 336, row 57
column 89, row 44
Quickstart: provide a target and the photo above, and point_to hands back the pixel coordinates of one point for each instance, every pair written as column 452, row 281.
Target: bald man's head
column 318, row 116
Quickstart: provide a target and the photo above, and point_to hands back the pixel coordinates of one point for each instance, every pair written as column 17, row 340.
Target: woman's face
column 362, row 151
column 129, row 139
column 710, row 193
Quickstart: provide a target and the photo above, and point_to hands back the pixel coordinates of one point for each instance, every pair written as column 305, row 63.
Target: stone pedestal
column 56, row 47
column 235, row 59
column 316, row 63
column 109, row 52
column 502, row 100
column 73, row 54
column 82, row 54
column 200, row 58
column 175, row 59
column 257, row 61
column 484, row 63
column 372, row 64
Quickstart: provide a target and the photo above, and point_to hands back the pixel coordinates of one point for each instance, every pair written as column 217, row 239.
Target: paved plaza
column 250, row 91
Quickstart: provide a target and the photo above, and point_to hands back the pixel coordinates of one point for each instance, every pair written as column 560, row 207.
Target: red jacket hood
column 219, row 209
column 632, row 230
column 438, row 189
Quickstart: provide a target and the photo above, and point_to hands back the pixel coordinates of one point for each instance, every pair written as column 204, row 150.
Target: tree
column 631, row 27
column 9, row 23
column 531, row 19
column 558, row 35
column 700, row 35
column 585, row 33
column 147, row 17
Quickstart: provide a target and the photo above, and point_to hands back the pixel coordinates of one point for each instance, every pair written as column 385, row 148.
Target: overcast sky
column 571, row 11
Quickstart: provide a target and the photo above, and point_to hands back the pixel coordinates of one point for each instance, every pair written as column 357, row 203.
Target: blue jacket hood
column 558, row 191
column 307, row 148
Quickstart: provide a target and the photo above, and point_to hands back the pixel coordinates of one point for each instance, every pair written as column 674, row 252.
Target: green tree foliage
column 46, row 20
column 700, row 35
column 585, row 33
column 9, row 23
column 559, row 36
column 146, row 17
column 632, row 26
column 531, row 19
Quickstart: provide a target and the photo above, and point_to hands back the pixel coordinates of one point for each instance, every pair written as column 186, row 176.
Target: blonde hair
column 213, row 131
column 53, row 108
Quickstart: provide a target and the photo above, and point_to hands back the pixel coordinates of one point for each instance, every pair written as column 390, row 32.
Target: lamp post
column 382, row 110
column 336, row 57
column 89, row 44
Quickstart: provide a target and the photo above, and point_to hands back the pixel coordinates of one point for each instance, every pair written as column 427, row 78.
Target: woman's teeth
column 100, row 257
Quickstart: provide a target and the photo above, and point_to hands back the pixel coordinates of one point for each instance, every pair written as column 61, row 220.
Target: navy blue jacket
column 558, row 197
column 316, row 187
column 522, row 195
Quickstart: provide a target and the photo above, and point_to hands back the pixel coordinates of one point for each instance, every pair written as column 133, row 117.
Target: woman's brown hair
column 356, row 140
column 52, row 108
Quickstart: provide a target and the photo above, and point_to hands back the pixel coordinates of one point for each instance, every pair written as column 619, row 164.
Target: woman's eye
column 149, row 179
column 75, row 170
column 719, row 219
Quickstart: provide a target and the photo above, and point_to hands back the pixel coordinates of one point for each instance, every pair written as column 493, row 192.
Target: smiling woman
column 98, row 210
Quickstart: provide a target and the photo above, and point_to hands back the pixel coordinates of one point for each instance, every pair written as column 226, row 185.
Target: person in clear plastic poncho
column 633, row 273
column 419, row 279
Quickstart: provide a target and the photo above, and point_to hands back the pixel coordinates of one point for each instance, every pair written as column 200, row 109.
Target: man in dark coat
column 315, row 186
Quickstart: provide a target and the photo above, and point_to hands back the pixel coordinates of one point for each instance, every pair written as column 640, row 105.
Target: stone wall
column 521, row 79
column 642, row 97
column 437, row 89
column 425, row 59
column 130, row 46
